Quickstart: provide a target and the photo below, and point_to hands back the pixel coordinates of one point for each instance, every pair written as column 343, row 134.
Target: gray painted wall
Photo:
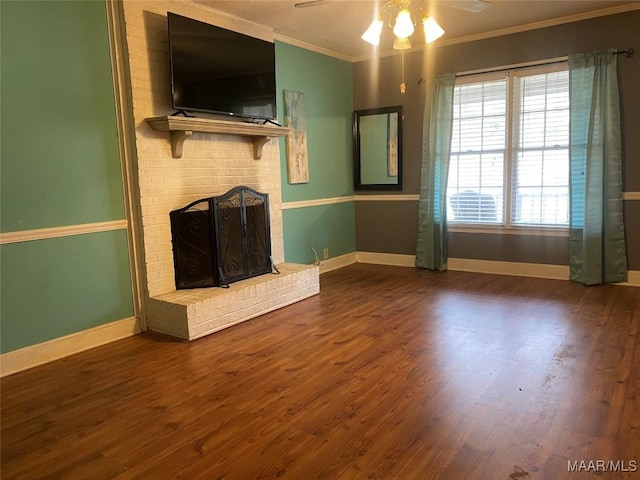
column 376, row 84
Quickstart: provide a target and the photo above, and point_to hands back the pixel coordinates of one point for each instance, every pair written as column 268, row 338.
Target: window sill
column 500, row 230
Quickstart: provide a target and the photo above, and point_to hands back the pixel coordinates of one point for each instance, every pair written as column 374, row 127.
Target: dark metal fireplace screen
column 220, row 240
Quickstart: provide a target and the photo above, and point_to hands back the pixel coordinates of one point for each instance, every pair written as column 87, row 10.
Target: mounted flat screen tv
column 216, row 70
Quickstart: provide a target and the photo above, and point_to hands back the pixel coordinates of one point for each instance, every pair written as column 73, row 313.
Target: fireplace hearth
column 223, row 239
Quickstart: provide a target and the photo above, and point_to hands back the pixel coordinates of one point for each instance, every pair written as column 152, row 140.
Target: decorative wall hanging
column 297, row 153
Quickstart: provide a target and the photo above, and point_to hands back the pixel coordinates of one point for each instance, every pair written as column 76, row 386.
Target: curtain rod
column 629, row 52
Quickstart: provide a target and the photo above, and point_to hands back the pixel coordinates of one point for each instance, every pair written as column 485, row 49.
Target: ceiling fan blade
column 310, row 3
column 474, row 6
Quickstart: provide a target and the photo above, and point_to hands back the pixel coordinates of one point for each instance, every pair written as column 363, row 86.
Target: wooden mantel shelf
column 182, row 128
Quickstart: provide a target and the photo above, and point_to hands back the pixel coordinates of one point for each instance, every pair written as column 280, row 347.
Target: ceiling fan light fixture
column 372, row 35
column 401, row 43
column 432, row 30
column 404, row 25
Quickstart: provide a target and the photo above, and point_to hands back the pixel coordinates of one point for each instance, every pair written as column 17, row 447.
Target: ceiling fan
column 474, row 6
column 407, row 13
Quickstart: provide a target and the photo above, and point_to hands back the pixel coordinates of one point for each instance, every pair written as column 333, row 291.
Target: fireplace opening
column 223, row 239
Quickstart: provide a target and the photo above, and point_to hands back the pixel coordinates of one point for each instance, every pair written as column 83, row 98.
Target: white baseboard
column 394, row 259
column 633, row 279
column 34, row 355
column 517, row 269
column 337, row 262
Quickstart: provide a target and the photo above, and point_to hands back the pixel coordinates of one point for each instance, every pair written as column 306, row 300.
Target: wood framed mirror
column 377, row 148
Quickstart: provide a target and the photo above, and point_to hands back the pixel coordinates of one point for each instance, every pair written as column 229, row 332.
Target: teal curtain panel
column 431, row 249
column 597, row 252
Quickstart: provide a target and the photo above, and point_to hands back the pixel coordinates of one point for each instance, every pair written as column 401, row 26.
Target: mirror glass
column 377, row 145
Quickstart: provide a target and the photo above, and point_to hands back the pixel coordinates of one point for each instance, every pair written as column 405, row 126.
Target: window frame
column 510, row 74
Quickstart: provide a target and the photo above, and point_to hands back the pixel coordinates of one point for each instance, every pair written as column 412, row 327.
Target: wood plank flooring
column 389, row 373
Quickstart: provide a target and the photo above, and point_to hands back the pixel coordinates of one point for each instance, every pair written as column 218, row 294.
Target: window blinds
column 509, row 161
column 540, row 193
column 475, row 188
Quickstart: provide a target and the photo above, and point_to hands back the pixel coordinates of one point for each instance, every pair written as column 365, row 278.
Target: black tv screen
column 220, row 71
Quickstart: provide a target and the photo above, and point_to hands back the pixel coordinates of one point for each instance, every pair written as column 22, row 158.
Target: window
column 509, row 163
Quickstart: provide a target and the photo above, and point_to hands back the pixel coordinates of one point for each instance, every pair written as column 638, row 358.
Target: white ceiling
column 335, row 26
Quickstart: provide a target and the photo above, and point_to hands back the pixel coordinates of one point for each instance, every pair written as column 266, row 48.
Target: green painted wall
column 54, row 287
column 59, row 145
column 325, row 226
column 60, row 166
column 327, row 85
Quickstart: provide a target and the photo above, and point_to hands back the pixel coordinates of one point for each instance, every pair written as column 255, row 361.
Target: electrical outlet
column 325, row 253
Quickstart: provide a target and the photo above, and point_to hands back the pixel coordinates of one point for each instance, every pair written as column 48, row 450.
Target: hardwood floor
column 390, row 373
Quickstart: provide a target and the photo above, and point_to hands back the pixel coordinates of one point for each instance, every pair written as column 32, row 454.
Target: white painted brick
column 211, row 164
column 215, row 308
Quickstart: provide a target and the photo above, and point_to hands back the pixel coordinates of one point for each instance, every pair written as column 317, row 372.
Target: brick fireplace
column 211, row 164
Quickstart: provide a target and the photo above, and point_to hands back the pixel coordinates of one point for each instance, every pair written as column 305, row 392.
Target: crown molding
column 440, row 43
column 313, row 48
column 231, row 21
